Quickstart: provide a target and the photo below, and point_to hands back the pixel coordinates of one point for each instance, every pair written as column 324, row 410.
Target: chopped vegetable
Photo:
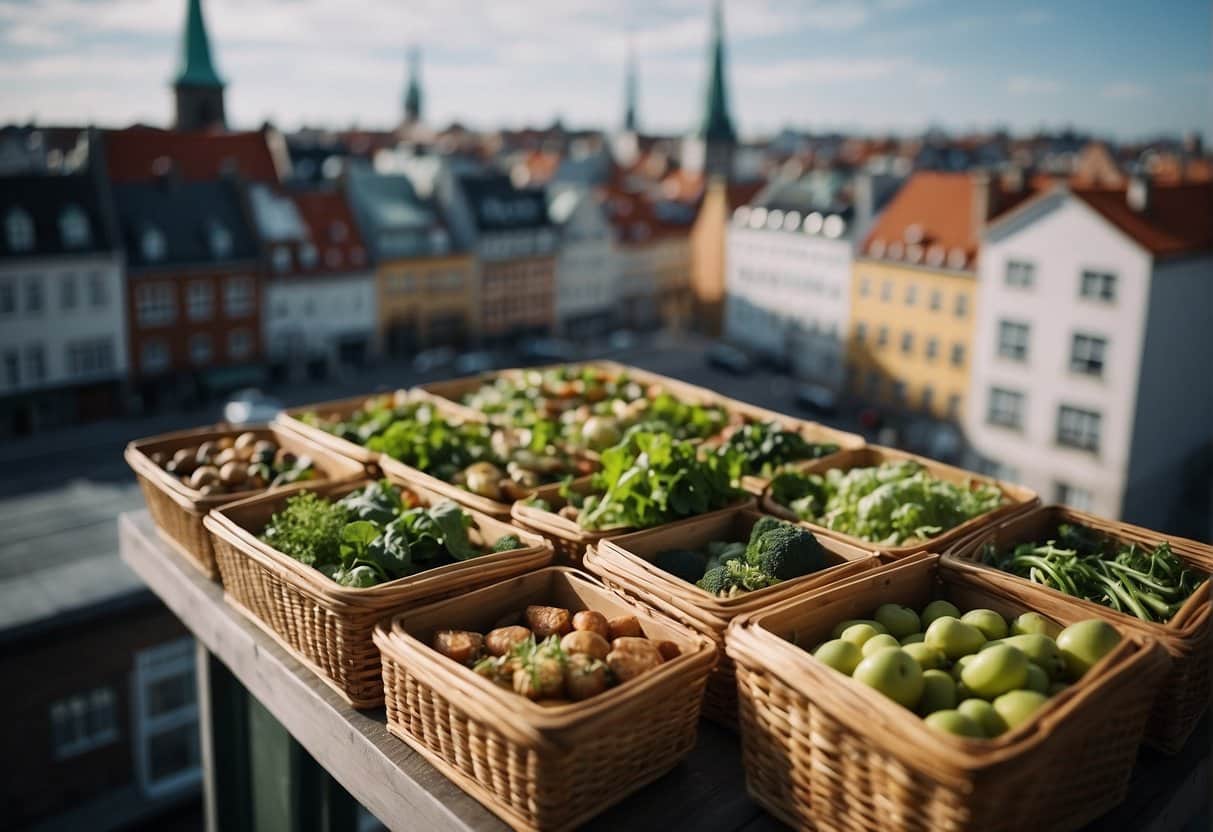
column 766, row 446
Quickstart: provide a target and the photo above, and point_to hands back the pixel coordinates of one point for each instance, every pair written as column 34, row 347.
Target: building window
column 861, row 332
column 307, row 255
column 8, row 297
column 1087, row 355
column 83, row 722
column 201, row 350
column 1073, row 496
column 958, row 355
column 882, row 336
column 281, row 258
column 98, row 295
column 873, row 384
column 239, row 344
column 152, row 244
column 954, row 406
column 907, row 342
column 899, row 392
column 962, row 305
column 12, row 368
column 1098, row 286
column 154, row 304
column 928, row 398
column 238, row 297
column 1020, row 274
column 200, row 300
column 936, row 301
column 911, row 294
column 19, row 228
column 35, row 363
column 220, row 240
column 1013, row 340
column 865, row 287
column 33, row 296
column 886, row 290
column 85, row 358
column 166, row 719
column 67, row 291
column 1078, row 428
column 932, row 349
column 1005, row 408
column 73, row 227
column 154, row 356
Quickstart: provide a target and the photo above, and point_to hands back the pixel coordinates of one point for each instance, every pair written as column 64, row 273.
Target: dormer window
column 152, row 243
column 19, row 228
column 307, row 255
column 73, row 227
column 282, row 258
column 220, row 240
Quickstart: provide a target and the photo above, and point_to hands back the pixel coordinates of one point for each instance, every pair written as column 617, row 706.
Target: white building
column 587, row 270
column 62, row 304
column 1091, row 378
column 319, row 307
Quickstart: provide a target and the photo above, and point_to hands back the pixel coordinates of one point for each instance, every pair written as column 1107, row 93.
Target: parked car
column 547, row 351
column 729, row 358
column 250, row 406
column 437, row 358
column 621, row 339
column 478, row 361
column 818, row 399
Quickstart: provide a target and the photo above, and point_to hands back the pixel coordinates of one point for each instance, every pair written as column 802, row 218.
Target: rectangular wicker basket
column 822, row 750
column 625, row 564
column 177, row 510
column 540, row 767
column 328, row 626
column 1188, row 637
column 340, row 409
column 1017, row 498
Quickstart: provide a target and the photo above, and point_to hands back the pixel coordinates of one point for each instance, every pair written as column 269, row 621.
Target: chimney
column 1137, row 195
column 982, row 201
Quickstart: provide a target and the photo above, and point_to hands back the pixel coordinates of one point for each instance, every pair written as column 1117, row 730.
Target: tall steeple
column 412, row 92
column 716, row 127
column 631, row 121
column 197, row 86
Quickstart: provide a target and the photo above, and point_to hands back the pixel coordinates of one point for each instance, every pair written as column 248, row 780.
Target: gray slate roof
column 185, row 213
column 44, row 198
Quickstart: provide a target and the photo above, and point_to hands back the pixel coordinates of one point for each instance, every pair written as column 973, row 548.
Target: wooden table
column 354, row 749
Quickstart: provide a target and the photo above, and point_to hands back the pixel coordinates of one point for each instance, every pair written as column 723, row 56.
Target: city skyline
column 869, row 67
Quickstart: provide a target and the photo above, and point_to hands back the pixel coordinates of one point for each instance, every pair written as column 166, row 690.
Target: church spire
column 412, row 93
column 716, row 125
column 631, row 121
column 197, row 86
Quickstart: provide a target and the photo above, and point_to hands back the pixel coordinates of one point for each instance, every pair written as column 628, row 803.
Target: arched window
column 152, row 243
column 20, row 230
column 220, row 240
column 73, row 227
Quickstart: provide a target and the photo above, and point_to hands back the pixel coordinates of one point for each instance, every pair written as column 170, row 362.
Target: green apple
column 1040, row 650
column 993, row 672
column 959, row 665
column 1037, row 680
column 898, row 620
column 955, row 722
column 843, row 625
column 937, row 609
column 983, row 713
column 928, row 658
column 894, row 673
column 938, row 692
column 1034, row 622
column 953, row 637
column 883, row 641
column 841, row 655
column 1085, row 643
column 963, row 692
column 1016, row 707
column 991, row 624
column 858, row 634
column 912, row 638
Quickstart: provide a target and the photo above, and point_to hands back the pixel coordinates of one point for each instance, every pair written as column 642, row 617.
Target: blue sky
column 1123, row 68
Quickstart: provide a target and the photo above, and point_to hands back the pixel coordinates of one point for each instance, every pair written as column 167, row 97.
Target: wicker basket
column 625, row 564
column 568, row 538
column 540, row 767
column 340, row 409
column 177, row 510
column 1188, row 637
column 822, row 750
column 328, row 626
column 1017, row 498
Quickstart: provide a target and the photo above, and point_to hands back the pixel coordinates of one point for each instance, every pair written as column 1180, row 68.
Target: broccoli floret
column 785, row 552
column 721, row 552
column 507, row 543
column 682, row 563
column 763, row 525
column 715, row 580
column 733, row 578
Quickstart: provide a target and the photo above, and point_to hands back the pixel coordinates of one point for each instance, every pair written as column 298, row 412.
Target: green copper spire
column 412, row 93
column 197, row 69
column 716, row 124
column 631, row 122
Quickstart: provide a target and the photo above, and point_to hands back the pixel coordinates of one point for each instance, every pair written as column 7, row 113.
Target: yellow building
column 913, row 290
column 426, row 301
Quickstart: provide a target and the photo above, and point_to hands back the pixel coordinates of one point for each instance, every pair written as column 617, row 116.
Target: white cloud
column 1124, row 90
column 1032, row 85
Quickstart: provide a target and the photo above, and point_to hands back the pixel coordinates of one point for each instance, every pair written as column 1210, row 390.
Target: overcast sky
column 1126, row 68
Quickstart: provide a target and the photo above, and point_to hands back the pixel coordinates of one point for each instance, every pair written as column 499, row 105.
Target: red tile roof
column 332, row 231
column 637, row 218
column 1177, row 220
column 134, row 154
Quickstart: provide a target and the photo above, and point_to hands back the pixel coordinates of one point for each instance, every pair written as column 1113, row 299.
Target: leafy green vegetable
column 507, row 543
column 1151, row 584
column 453, row 523
column 308, row 529
column 766, row 446
column 892, row 504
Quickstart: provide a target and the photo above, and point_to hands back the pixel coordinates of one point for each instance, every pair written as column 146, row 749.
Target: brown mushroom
column 584, row 676
column 246, row 440
column 463, row 646
column 593, row 621
column 158, row 458
column 234, row 473
column 501, row 640
column 546, row 621
column 585, row 642
column 224, row 457
column 668, row 650
column 206, row 475
column 630, row 657
column 225, row 442
column 185, row 462
column 624, row 626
